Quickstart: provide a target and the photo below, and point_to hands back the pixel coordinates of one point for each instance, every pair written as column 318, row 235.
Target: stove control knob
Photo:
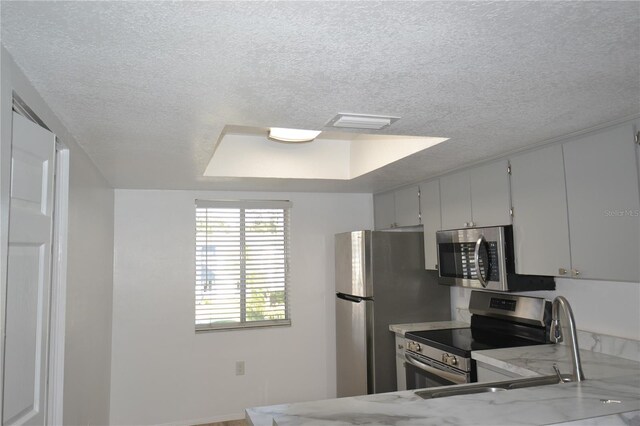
column 415, row 347
column 449, row 359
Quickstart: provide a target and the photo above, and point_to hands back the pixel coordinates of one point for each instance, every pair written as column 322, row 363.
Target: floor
column 229, row 423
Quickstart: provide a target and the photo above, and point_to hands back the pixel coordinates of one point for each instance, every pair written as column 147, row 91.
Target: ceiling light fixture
column 280, row 134
column 361, row 121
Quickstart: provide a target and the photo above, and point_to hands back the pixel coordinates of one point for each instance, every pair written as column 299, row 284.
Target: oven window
column 420, row 379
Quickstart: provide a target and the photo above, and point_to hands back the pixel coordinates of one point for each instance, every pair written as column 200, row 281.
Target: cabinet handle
column 562, row 271
column 575, row 272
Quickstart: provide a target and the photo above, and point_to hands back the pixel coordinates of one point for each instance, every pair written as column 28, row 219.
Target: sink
column 525, row 382
column 428, row 394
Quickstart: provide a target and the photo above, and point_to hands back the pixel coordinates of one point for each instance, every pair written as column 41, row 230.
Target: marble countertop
column 417, row 326
column 608, row 378
column 539, row 360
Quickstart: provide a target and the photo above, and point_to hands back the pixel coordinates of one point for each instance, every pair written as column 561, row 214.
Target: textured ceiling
column 147, row 87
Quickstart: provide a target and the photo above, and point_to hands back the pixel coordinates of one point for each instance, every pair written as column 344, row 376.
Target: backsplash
column 610, row 345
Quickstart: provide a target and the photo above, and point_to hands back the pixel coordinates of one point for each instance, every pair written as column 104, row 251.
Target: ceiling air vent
column 361, row 121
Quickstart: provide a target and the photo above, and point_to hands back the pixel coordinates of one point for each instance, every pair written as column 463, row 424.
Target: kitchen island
column 609, row 396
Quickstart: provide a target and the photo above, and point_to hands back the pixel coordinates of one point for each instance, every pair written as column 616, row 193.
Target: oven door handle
column 476, row 259
column 452, row 377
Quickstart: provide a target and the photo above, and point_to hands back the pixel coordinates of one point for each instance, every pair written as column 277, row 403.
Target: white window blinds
column 242, row 264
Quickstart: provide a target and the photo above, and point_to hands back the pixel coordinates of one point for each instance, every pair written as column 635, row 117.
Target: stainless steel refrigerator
column 380, row 280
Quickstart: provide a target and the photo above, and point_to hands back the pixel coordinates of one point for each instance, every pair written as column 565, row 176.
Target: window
column 242, row 264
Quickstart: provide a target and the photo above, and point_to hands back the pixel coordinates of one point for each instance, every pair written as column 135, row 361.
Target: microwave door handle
column 452, row 377
column 476, row 259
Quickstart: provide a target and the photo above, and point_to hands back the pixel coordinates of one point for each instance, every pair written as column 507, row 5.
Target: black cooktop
column 461, row 341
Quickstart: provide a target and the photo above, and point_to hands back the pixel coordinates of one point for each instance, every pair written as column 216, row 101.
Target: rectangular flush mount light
column 361, row 121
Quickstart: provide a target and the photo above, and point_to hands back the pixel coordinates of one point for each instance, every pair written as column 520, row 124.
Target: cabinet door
column 401, row 377
column 430, row 211
column 490, row 198
column 603, row 201
column 488, row 373
column 541, row 231
column 384, row 210
column 407, row 202
column 455, row 199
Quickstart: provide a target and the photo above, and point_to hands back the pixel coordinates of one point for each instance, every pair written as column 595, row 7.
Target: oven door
column 422, row 372
column 473, row 257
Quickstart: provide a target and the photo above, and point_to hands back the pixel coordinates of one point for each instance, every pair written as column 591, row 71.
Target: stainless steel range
column 443, row 357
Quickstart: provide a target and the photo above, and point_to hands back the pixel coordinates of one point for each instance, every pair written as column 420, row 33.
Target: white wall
column 87, row 376
column 598, row 306
column 162, row 372
column 90, row 258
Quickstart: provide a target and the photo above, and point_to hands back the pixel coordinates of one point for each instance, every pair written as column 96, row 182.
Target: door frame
column 58, row 302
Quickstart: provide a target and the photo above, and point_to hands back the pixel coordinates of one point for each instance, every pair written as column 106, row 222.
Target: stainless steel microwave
column 483, row 258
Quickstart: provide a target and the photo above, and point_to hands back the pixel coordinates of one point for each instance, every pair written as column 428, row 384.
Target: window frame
column 244, row 205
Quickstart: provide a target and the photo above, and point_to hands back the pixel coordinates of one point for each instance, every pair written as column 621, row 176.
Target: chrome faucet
column 556, row 334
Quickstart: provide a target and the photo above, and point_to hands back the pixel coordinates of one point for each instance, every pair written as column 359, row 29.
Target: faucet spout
column 561, row 303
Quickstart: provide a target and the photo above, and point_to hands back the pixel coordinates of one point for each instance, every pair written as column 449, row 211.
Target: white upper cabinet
column 476, row 197
column 541, row 231
column 490, row 198
column 407, row 205
column 397, row 208
column 384, row 210
column 603, row 203
column 430, row 210
column 455, row 199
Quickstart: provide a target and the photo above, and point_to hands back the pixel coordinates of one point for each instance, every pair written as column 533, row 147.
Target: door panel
column 430, row 208
column 352, row 268
column 407, row 205
column 490, row 201
column 351, row 348
column 540, row 227
column 602, row 191
column 384, row 210
column 455, row 198
column 29, row 274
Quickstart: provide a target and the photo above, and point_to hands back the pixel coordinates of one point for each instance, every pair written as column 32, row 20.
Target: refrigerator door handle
column 351, row 298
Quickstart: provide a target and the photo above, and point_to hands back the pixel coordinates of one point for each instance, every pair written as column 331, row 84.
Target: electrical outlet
column 239, row 368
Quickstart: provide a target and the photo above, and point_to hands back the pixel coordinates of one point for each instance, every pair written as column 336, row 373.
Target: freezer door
column 353, row 275
column 352, row 352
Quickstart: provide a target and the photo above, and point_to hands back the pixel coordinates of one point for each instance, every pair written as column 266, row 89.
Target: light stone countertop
column 622, row 419
column 419, row 326
column 608, row 378
column 539, row 360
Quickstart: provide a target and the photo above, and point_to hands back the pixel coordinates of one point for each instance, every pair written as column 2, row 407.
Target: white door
column 430, row 210
column 455, row 200
column 384, row 210
column 602, row 192
column 490, row 201
column 28, row 274
column 540, row 225
column 407, row 206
